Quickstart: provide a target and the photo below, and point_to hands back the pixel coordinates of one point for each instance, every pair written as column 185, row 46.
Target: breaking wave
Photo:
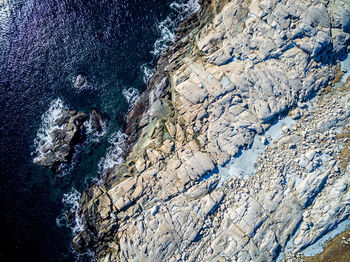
column 148, row 72
column 182, row 10
column 131, row 95
column 185, row 8
column 93, row 134
column 48, row 123
column 114, row 155
column 115, row 152
column 167, row 32
column 5, row 19
column 69, row 216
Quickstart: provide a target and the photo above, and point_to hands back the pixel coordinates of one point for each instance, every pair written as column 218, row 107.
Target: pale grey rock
column 263, row 140
column 310, row 154
column 192, row 92
column 296, row 113
column 274, row 55
column 288, row 140
column 140, row 164
column 80, row 82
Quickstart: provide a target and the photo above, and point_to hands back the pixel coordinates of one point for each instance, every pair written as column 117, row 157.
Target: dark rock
column 57, row 135
column 79, row 243
column 70, row 216
column 66, row 115
column 84, row 240
column 134, row 117
column 96, row 121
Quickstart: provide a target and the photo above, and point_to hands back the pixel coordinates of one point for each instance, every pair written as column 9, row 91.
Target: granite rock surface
column 237, row 67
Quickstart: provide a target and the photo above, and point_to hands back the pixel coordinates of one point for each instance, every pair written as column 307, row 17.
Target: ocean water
column 44, row 45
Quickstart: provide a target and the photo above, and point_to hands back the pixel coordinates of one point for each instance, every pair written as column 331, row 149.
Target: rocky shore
column 236, row 68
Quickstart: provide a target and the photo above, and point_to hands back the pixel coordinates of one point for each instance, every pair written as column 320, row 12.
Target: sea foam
column 94, row 135
column 131, row 95
column 48, row 123
column 69, row 216
column 114, row 155
column 181, row 10
column 148, row 72
column 117, row 140
column 185, row 8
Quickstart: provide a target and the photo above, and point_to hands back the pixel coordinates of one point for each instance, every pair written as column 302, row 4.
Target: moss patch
column 335, row 251
column 336, row 79
column 196, row 135
column 345, row 152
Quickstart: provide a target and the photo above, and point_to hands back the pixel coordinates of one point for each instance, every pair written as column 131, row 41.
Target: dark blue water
column 43, row 46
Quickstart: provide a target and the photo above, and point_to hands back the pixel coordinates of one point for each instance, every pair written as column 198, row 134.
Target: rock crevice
column 236, row 67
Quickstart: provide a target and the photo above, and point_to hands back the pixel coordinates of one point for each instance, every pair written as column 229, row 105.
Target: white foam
column 66, row 168
column 70, row 203
column 95, row 135
column 147, row 73
column 183, row 9
column 5, row 20
column 114, row 155
column 131, row 95
column 48, row 123
column 88, row 255
column 167, row 36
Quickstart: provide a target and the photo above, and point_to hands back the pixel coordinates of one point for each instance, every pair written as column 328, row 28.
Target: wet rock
column 63, row 139
column 83, row 240
column 97, row 121
column 80, row 82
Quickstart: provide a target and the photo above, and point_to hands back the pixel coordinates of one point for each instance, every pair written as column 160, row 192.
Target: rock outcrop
column 80, row 82
column 236, row 67
column 62, row 139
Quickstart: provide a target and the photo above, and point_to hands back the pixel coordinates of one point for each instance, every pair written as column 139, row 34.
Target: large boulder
column 62, row 139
